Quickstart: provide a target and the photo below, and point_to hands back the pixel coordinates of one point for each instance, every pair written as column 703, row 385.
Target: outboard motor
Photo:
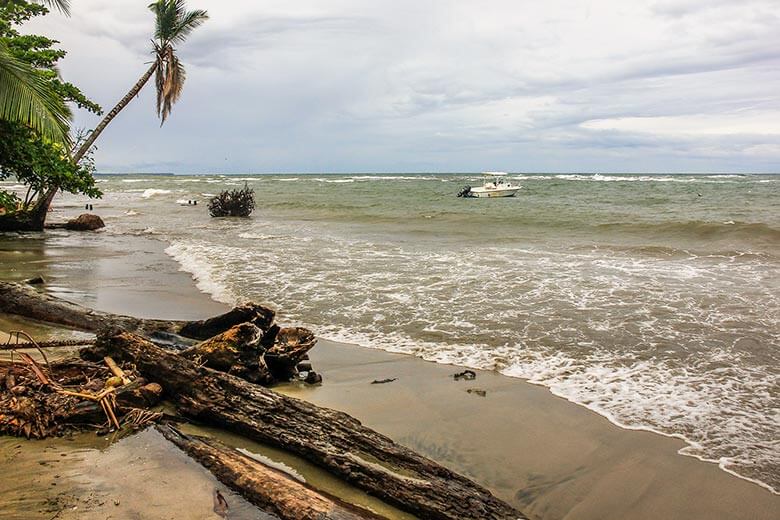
column 465, row 191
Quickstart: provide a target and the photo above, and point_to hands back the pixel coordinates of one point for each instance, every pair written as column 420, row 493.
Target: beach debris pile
column 173, row 360
column 39, row 400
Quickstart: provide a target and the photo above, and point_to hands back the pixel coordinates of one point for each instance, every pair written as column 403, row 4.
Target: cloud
column 444, row 85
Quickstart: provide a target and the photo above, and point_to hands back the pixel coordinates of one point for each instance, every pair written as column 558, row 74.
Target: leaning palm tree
column 173, row 25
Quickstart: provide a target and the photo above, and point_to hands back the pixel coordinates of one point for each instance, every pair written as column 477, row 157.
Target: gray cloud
column 439, row 85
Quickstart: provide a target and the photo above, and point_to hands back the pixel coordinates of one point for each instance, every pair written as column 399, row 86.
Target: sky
column 438, row 86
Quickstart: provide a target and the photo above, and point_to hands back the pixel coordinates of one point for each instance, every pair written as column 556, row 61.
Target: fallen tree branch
column 23, row 300
column 331, row 439
column 270, row 489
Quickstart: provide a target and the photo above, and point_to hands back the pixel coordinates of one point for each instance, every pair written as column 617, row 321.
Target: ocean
column 653, row 300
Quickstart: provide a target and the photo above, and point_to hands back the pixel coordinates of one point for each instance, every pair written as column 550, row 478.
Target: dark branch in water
column 233, row 203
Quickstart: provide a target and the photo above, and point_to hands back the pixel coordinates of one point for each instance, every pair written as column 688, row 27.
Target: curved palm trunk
column 34, row 219
column 114, row 111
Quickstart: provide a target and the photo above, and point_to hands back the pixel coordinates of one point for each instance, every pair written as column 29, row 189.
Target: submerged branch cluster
column 233, row 203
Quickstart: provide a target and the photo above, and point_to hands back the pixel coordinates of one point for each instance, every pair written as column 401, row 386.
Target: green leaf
column 29, row 99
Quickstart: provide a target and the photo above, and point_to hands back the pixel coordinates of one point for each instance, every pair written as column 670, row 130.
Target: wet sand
column 549, row 457
column 85, row 477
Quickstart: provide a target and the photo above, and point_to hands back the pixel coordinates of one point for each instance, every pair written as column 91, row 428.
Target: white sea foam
column 202, row 272
column 597, row 177
column 393, row 178
column 129, row 181
column 151, row 192
column 555, row 325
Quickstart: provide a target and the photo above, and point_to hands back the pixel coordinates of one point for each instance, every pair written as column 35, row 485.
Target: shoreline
column 207, row 288
column 562, row 488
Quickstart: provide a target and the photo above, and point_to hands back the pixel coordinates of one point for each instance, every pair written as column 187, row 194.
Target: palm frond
column 165, row 19
column 173, row 23
column 187, row 23
column 62, row 5
column 26, row 98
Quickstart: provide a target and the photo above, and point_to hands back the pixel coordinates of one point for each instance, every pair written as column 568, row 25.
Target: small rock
column 382, row 381
column 477, row 391
column 85, row 222
column 468, row 375
column 35, row 281
column 313, row 378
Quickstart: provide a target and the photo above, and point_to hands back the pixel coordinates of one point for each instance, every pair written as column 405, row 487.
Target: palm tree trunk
column 34, row 219
column 114, row 111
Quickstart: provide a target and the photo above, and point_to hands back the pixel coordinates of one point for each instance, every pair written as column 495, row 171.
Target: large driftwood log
column 268, row 488
column 23, row 300
column 331, row 439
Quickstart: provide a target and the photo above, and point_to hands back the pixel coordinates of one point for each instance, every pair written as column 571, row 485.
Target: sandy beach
column 550, row 458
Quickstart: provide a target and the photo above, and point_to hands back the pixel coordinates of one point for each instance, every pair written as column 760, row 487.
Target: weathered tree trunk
column 23, row 300
column 331, row 439
column 31, row 219
column 259, row 316
column 270, row 489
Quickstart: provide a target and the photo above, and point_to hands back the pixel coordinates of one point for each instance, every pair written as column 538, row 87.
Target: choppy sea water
column 651, row 299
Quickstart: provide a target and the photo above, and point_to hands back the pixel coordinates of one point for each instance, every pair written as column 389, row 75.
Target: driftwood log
column 268, row 488
column 333, row 440
column 24, row 300
column 244, row 341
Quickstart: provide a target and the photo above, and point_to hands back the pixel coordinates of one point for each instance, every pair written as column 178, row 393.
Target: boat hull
column 481, row 193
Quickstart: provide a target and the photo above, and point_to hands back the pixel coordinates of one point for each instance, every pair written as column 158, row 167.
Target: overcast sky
column 402, row 86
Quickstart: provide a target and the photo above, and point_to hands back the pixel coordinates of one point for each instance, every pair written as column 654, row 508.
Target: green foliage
column 8, row 201
column 28, row 94
column 40, row 164
column 27, row 98
column 37, row 51
column 36, row 157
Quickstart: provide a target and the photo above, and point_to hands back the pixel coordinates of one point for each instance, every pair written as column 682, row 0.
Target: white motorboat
column 493, row 186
